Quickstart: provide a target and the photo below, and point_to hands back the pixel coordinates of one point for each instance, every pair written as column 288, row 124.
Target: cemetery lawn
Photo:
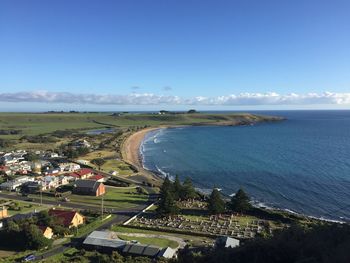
column 190, row 239
column 160, row 242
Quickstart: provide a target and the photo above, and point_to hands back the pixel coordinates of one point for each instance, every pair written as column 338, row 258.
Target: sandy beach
column 131, row 152
column 131, row 146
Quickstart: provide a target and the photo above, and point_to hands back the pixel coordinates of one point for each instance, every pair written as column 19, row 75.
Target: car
column 30, row 257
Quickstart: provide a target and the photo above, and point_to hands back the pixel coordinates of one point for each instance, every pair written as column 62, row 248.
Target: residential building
column 89, row 187
column 67, row 217
column 83, row 173
column 16, row 183
column 3, row 212
column 98, row 178
column 47, row 231
column 49, row 182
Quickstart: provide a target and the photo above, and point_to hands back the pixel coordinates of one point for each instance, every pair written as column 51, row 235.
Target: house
column 51, row 155
column 225, row 241
column 68, row 218
column 89, row 187
column 3, row 212
column 69, row 167
column 97, row 178
column 5, row 170
column 49, row 182
column 47, row 231
column 10, row 185
column 63, row 180
column 81, row 144
column 30, row 187
column 83, row 173
column 81, row 161
column 104, row 240
column 16, row 183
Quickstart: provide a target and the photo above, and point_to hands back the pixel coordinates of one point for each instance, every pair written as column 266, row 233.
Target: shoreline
column 130, row 151
column 130, row 148
column 131, row 154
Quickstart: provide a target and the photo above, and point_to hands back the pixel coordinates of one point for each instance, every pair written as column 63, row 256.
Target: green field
column 44, row 123
column 22, row 207
column 117, row 198
column 160, row 242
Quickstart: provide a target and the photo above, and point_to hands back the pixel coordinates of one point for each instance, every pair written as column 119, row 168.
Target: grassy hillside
column 44, row 123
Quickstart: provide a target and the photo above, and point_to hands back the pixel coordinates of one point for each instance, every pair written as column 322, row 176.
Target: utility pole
column 41, row 196
column 102, row 208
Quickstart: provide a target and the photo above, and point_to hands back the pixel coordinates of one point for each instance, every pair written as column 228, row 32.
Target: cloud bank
column 249, row 99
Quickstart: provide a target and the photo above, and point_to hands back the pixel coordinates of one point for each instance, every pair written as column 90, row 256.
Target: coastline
column 132, row 155
column 130, row 151
column 130, row 148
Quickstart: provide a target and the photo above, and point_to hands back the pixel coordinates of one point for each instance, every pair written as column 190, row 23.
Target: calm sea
column 301, row 164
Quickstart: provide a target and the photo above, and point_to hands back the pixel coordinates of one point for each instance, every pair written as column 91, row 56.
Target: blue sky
column 174, row 52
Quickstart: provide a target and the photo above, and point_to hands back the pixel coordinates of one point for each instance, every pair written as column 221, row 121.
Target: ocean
column 301, row 164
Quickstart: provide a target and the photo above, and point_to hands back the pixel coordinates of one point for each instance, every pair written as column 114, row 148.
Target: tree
column 99, row 162
column 216, row 205
column 240, row 202
column 167, row 186
column 116, row 257
column 167, row 205
column 31, row 157
column 177, row 188
column 44, row 218
column 34, row 237
column 188, row 190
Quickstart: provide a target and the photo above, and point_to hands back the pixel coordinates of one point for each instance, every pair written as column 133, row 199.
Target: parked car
column 30, row 257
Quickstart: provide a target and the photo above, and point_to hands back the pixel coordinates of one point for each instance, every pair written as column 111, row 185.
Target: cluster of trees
column 170, row 192
column 10, row 132
column 23, row 235
column 38, row 139
column 98, row 162
column 115, row 257
column 5, row 143
column 321, row 243
column 72, row 153
column 238, row 203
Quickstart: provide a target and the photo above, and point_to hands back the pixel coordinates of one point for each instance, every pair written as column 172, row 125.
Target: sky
column 167, row 54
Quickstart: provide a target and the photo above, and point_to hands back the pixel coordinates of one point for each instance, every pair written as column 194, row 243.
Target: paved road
column 121, row 215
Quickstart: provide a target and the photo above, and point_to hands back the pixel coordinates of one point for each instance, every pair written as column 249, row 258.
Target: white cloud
column 270, row 98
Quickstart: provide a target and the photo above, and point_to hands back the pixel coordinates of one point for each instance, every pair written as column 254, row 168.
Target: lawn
column 115, row 197
column 190, row 239
column 160, row 242
column 123, row 197
column 23, row 207
column 88, row 228
column 116, row 165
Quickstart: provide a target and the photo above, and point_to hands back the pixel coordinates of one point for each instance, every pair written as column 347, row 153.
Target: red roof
column 3, row 168
column 66, row 215
column 96, row 177
column 83, row 172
